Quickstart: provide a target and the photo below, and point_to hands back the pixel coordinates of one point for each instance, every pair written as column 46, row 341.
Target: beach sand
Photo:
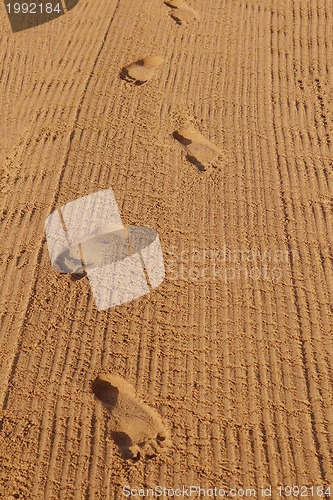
column 218, row 136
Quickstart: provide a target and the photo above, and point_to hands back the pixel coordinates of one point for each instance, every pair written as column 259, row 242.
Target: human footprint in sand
column 182, row 12
column 136, row 428
column 200, row 151
column 141, row 71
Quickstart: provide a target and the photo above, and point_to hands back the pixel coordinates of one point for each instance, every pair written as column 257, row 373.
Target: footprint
column 141, row 71
column 181, row 12
column 137, row 429
column 200, row 151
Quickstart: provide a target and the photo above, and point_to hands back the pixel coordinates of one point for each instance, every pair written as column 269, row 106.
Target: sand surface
column 213, row 125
